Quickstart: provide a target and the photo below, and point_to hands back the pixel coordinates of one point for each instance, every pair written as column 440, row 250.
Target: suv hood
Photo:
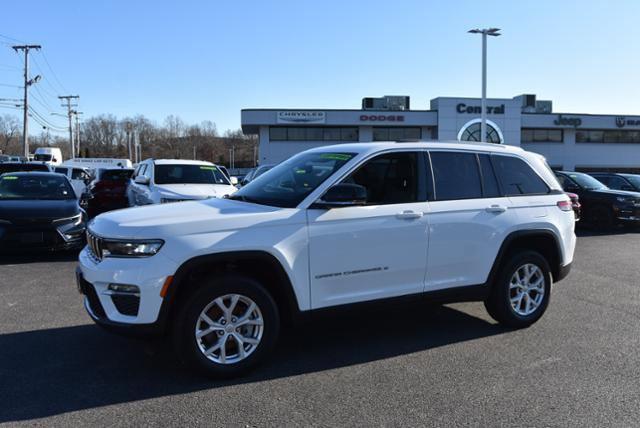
column 186, row 218
column 38, row 209
column 194, row 191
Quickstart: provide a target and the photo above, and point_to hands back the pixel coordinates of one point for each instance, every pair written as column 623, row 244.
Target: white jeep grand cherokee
column 332, row 226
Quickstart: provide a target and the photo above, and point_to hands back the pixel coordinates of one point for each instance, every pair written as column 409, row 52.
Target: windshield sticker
column 336, row 156
column 210, row 168
column 10, row 177
column 301, row 171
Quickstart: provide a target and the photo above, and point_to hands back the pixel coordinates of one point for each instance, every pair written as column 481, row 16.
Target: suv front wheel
column 521, row 293
column 227, row 327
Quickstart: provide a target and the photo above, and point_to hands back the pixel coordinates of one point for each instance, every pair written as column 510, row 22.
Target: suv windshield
column 633, row 179
column 189, row 174
column 42, row 157
column 287, row 184
column 49, row 186
column 586, row 181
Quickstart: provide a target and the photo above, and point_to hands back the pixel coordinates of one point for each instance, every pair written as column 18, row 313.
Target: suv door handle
column 408, row 215
column 496, row 209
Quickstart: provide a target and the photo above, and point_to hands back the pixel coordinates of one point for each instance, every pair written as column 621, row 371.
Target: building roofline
column 337, row 109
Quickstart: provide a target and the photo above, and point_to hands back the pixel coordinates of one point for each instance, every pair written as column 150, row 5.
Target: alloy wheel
column 526, row 289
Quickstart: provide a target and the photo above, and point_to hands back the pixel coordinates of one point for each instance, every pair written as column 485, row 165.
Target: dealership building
column 570, row 141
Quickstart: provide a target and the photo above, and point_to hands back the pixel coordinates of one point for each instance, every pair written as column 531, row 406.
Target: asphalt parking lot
column 413, row 365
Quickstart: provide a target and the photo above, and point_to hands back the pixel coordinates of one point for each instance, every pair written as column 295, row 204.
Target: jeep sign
column 567, row 121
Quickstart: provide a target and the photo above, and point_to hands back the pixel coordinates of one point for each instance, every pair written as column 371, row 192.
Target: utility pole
column 68, row 99
column 128, row 127
column 77, row 114
column 27, row 83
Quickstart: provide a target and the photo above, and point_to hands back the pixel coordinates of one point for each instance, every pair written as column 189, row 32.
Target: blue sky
column 206, row 60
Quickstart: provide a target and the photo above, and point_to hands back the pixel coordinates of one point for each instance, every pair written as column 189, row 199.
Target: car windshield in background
column 27, row 186
column 116, row 174
column 261, row 170
column 587, row 182
column 287, row 184
column 42, row 157
column 189, row 174
column 16, row 167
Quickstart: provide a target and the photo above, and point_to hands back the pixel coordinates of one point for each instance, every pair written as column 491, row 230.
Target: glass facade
column 537, row 135
column 395, row 133
column 313, row 133
column 607, row 136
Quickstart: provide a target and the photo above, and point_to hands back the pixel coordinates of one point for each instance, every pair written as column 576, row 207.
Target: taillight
column 564, row 205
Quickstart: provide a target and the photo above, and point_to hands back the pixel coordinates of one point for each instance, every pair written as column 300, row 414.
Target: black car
column 618, row 181
column 602, row 207
column 22, row 166
column 39, row 211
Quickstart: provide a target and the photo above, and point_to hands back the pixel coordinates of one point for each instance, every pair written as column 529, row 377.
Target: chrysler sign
column 302, row 116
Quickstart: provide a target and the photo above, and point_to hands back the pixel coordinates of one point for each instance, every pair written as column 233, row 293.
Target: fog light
column 124, row 288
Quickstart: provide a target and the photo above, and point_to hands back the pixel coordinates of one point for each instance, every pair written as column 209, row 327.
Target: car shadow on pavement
column 53, row 371
column 38, row 257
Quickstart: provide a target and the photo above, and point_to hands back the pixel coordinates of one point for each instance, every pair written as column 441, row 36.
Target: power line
column 47, row 81
column 27, row 83
column 55, row 76
column 44, row 122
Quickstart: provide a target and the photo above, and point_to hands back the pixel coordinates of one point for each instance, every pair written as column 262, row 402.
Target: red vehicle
column 108, row 191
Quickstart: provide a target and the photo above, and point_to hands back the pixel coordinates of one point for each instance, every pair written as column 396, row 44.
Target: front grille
column 126, row 304
column 95, row 245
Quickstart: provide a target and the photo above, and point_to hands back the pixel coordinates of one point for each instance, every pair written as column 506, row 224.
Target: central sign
column 303, row 116
column 463, row 108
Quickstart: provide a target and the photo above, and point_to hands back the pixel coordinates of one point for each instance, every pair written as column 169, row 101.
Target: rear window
column 116, row 174
column 456, row 175
column 189, row 174
column 517, row 177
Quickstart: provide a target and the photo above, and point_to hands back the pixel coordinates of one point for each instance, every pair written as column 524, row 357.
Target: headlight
column 72, row 221
column 70, row 228
column 131, row 248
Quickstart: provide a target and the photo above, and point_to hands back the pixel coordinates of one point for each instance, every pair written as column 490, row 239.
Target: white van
column 48, row 155
column 78, row 176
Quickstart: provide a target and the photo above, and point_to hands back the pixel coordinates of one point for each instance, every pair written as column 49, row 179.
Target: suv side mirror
column 141, row 179
column 234, row 181
column 344, row 195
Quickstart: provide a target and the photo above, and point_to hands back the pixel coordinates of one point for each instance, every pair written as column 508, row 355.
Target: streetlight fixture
column 483, row 103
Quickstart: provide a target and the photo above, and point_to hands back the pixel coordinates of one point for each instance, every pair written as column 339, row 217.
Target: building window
column 312, row 133
column 471, row 132
column 395, row 133
column 607, row 136
column 535, row 135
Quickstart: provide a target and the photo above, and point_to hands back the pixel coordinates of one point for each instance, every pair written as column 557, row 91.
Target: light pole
column 483, row 103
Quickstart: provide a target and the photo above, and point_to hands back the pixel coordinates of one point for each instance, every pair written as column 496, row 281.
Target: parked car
column 49, row 155
column 618, row 181
column 173, row 180
column 23, row 166
column 332, row 226
column 39, row 211
column 602, row 208
column 108, row 191
column 255, row 173
column 79, row 177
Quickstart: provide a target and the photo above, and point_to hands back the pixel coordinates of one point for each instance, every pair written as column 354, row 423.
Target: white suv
column 333, row 226
column 173, row 180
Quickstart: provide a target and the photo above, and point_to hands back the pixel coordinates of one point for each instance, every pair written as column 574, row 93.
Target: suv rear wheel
column 521, row 293
column 227, row 327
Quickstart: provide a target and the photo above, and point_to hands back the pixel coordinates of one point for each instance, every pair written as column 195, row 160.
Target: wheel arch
column 544, row 241
column 260, row 265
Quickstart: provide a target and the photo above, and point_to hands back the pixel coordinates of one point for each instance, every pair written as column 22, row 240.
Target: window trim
column 342, row 130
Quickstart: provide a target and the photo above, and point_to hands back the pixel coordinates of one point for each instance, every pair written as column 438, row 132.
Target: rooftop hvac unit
column 544, row 107
column 388, row 102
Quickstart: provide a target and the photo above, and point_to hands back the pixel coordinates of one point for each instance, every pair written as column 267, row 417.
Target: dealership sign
column 301, row 116
column 567, row 121
column 621, row 122
column 463, row 108
column 381, row 118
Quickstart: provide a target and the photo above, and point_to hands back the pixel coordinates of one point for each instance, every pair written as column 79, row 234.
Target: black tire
column 498, row 304
column 601, row 218
column 184, row 333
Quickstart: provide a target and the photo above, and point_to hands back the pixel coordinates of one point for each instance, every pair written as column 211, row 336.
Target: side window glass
column 490, row 187
column 61, row 170
column 78, row 174
column 616, row 183
column 389, row 179
column 517, row 177
column 456, row 176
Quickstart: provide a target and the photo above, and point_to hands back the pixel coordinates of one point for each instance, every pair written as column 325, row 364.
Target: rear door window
column 516, row 177
column 456, row 175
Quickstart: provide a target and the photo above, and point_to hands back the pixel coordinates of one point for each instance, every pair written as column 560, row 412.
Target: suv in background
column 618, row 181
column 108, row 190
column 602, row 208
column 333, row 226
column 173, row 180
